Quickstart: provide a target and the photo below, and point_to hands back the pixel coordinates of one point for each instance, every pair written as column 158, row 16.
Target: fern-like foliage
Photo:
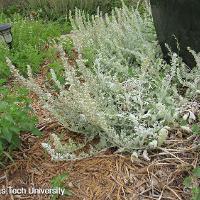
column 127, row 95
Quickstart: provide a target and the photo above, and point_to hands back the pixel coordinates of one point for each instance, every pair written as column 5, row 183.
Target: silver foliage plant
column 129, row 97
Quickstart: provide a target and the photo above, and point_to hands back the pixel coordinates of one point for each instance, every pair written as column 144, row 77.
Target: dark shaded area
column 178, row 20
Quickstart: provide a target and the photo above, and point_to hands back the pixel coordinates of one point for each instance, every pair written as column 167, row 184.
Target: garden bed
column 108, row 175
column 116, row 121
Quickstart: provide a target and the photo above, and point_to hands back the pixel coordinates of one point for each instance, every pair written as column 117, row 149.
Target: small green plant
column 196, row 129
column 68, row 46
column 15, row 118
column 59, row 182
column 4, row 51
column 89, row 55
column 192, row 182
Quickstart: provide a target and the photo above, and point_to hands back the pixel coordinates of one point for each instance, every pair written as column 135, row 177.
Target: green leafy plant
column 4, row 51
column 68, row 46
column 192, row 182
column 32, row 43
column 196, row 129
column 89, row 55
column 15, row 118
column 59, row 182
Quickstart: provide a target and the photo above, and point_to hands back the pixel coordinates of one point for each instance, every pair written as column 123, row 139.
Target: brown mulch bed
column 108, row 175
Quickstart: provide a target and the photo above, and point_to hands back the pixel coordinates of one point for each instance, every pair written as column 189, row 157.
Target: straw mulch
column 108, row 175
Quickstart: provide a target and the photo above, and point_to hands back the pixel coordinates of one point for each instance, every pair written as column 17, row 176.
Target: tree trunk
column 178, row 20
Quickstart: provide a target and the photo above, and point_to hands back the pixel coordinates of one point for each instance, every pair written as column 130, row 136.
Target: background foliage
column 32, row 43
column 58, row 9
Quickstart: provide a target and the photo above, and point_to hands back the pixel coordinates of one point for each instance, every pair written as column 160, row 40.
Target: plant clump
column 127, row 95
column 15, row 119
